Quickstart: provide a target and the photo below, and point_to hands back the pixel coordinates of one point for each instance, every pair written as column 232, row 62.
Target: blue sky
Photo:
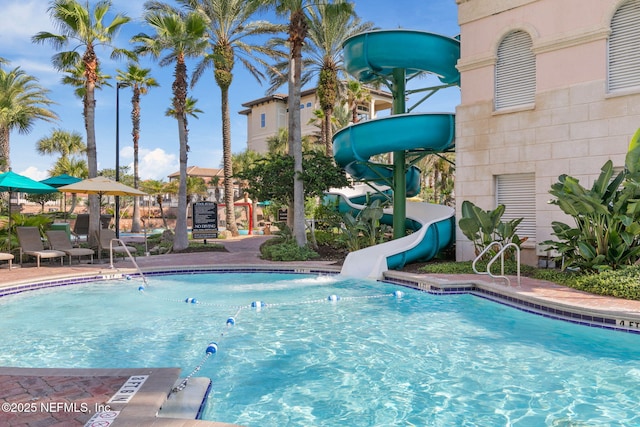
column 21, row 19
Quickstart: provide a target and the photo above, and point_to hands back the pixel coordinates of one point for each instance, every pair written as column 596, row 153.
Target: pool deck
column 65, row 397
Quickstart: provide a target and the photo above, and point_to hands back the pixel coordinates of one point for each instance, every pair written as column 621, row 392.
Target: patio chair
column 59, row 240
column 6, row 257
column 106, row 235
column 81, row 228
column 31, row 244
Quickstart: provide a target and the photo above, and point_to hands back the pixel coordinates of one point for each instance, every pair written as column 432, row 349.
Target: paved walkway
column 37, row 397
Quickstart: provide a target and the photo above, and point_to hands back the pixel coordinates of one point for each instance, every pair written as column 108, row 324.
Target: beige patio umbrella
column 102, row 186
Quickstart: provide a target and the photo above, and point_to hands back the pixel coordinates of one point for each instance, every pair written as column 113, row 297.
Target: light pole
column 117, row 208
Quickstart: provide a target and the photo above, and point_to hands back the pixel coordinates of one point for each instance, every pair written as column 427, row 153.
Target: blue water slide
column 369, row 56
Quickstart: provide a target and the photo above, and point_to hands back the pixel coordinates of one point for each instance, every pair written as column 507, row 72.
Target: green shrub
column 621, row 283
column 280, row 250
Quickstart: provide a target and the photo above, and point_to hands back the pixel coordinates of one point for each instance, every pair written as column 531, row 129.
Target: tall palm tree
column 232, row 37
column 84, row 28
column 139, row 80
column 329, row 26
column 182, row 35
column 22, row 102
column 298, row 31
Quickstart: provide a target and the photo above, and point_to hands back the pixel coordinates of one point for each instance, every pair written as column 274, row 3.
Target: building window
column 301, row 106
column 263, row 120
column 308, row 105
column 624, row 47
column 517, row 193
column 515, row 79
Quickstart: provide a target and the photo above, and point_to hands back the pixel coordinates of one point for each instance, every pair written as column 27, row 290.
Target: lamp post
column 117, row 207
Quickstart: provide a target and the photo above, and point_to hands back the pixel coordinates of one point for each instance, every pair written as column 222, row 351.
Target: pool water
column 368, row 359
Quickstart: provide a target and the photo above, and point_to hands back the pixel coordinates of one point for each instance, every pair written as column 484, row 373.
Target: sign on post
column 205, row 220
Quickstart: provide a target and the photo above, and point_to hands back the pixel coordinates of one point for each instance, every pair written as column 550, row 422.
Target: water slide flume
column 396, row 55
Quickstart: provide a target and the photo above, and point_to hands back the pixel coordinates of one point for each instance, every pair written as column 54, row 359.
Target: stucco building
column 548, row 87
column 265, row 116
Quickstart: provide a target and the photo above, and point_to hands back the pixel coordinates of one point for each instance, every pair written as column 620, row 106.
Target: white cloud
column 34, row 173
column 20, row 20
column 154, row 164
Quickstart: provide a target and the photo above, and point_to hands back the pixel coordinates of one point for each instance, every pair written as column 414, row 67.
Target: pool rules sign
column 205, row 220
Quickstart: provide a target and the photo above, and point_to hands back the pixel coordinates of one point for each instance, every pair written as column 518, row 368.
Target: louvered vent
column 515, row 71
column 624, row 47
column 517, row 192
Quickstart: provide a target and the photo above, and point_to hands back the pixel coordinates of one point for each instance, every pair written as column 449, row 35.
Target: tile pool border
column 577, row 315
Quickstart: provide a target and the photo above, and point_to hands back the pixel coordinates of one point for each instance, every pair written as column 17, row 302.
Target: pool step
column 189, row 402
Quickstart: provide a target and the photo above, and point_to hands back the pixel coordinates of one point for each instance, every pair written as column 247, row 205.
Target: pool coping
column 145, row 411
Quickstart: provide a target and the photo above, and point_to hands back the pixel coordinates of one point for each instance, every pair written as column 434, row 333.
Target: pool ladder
column 133, row 260
column 500, row 254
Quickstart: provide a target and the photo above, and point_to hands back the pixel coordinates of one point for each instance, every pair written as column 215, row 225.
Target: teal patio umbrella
column 59, row 181
column 12, row 182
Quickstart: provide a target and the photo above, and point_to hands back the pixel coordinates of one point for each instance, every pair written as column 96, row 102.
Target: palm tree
column 229, row 28
column 357, row 93
column 182, row 35
column 22, row 102
column 329, row 26
column 75, row 78
column 298, row 31
column 84, row 28
column 158, row 189
column 140, row 81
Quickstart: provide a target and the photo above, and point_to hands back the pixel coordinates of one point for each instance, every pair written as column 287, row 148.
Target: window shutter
column 517, row 192
column 624, row 47
column 515, row 71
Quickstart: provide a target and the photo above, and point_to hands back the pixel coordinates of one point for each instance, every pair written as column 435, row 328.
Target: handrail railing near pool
column 133, row 260
column 495, row 257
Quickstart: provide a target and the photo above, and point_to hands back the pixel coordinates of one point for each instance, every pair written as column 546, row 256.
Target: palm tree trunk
column 4, row 149
column 230, row 216
column 135, row 118
column 91, row 65
column 181, row 240
column 298, row 28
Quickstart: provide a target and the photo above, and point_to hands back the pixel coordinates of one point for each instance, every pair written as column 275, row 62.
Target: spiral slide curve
column 367, row 57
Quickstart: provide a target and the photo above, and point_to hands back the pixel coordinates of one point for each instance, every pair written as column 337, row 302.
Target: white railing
column 500, row 254
column 133, row 260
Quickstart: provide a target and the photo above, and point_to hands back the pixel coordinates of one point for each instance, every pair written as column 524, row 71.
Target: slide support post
column 398, row 86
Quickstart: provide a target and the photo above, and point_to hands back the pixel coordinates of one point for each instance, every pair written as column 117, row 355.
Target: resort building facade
column 548, row 88
column 267, row 115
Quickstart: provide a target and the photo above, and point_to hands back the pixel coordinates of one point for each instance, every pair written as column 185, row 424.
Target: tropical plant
column 364, row 228
column 485, row 227
column 607, row 216
column 182, row 34
column 86, row 29
column 357, row 93
column 22, row 102
column 158, row 190
column 139, row 80
column 272, row 177
column 232, row 37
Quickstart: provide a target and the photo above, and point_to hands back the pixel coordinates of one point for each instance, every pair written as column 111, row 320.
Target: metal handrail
column 500, row 254
column 144, row 279
column 489, row 246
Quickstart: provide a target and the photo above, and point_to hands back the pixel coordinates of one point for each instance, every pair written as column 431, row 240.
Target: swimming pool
column 367, row 359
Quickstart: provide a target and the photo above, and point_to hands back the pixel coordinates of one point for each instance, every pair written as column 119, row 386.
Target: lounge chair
column 6, row 257
column 81, row 228
column 106, row 235
column 59, row 240
column 31, row 244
